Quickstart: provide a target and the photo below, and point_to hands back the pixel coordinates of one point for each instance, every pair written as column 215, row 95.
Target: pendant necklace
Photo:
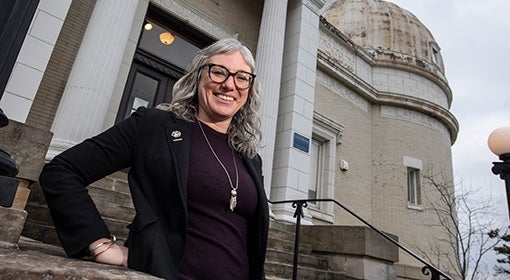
column 233, row 191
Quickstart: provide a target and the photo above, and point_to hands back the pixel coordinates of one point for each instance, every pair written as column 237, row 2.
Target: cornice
column 374, row 96
column 395, row 60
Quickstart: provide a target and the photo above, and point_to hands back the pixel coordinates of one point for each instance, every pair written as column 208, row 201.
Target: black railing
column 428, row 268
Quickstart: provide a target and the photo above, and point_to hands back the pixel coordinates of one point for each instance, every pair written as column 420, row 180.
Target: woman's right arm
column 64, row 181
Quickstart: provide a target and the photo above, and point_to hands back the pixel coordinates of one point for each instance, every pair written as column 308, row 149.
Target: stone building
column 355, row 102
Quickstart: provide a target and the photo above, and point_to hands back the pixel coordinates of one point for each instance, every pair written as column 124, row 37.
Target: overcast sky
column 474, row 37
column 475, row 43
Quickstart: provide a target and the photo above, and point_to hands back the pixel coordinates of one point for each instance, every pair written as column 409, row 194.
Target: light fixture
column 148, row 26
column 499, row 141
column 499, row 144
column 166, row 38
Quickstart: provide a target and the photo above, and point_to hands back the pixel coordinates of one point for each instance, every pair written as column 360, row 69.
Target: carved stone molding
column 199, row 21
column 415, row 117
column 340, row 89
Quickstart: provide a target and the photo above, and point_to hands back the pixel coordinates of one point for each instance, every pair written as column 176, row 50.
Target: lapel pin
column 176, row 134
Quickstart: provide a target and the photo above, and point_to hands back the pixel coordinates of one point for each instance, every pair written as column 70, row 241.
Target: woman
column 195, row 178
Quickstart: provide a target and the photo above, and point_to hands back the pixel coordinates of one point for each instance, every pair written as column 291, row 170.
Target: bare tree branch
column 464, row 221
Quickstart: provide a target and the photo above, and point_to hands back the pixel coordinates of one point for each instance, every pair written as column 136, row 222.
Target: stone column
column 291, row 168
column 269, row 72
column 85, row 100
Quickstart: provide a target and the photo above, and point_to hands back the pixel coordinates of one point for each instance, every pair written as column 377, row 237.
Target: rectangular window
column 435, row 53
column 435, row 56
column 326, row 135
column 413, row 186
column 316, row 168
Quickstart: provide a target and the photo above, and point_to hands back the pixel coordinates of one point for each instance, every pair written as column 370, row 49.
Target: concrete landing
column 32, row 260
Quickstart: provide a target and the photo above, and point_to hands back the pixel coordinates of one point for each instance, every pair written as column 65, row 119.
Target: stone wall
column 27, row 147
column 359, row 251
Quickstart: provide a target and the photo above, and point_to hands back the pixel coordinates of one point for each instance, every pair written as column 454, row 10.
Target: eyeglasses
column 219, row 74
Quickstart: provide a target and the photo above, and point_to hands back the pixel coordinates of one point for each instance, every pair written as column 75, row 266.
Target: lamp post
column 499, row 144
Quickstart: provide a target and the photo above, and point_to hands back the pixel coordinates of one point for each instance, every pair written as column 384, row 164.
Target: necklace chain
column 233, row 192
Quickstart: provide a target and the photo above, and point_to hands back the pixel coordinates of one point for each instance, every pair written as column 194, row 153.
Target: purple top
column 216, row 247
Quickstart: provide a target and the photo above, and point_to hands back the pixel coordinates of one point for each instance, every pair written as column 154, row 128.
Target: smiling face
column 219, row 102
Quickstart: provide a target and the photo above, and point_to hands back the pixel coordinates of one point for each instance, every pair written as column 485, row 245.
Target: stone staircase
column 111, row 195
column 280, row 257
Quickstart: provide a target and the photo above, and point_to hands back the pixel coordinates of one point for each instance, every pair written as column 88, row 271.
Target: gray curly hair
column 244, row 132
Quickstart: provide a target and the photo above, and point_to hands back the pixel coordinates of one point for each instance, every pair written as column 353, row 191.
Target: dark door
column 165, row 49
column 146, row 87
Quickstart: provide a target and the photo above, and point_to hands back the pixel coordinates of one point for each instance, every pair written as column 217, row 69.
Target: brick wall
column 241, row 16
column 353, row 187
column 61, row 61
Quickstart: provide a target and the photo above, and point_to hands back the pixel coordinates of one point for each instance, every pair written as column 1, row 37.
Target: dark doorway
column 146, row 87
column 165, row 48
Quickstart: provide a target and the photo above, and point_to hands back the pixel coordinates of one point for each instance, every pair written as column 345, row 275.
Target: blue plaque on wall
column 301, row 142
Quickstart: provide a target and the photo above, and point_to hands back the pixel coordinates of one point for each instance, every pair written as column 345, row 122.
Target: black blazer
column 156, row 147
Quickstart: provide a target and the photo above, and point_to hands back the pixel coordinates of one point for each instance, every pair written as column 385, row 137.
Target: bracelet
column 110, row 242
column 104, row 250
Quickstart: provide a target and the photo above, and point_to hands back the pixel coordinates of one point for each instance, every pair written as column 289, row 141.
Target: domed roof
column 385, row 29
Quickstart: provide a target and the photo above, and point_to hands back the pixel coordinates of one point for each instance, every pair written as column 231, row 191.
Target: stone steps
column 280, row 270
column 280, row 257
column 111, row 195
column 304, row 260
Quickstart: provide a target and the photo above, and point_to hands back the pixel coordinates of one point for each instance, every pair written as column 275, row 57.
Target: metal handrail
column 428, row 268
